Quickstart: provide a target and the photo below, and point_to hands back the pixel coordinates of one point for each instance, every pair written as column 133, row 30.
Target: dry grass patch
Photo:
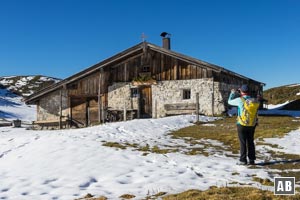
column 266, row 181
column 127, row 196
column 224, row 130
column 91, row 197
column 146, row 149
column 114, row 144
column 236, row 193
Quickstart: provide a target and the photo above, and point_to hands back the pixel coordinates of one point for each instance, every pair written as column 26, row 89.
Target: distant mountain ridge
column 282, row 94
column 13, row 90
column 26, row 85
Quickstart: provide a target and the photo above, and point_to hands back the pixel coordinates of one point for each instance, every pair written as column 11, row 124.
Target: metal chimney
column 166, row 40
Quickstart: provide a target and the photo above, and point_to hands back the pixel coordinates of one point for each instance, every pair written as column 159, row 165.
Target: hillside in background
column 12, row 91
column 282, row 94
column 26, row 85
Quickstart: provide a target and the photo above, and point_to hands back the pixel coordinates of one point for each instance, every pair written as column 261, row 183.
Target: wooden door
column 84, row 111
column 146, row 102
column 78, row 111
column 93, row 111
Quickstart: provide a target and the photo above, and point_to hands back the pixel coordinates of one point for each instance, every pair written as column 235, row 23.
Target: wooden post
column 125, row 72
column 99, row 97
column 125, row 111
column 155, row 108
column 139, row 104
column 88, row 113
column 213, row 97
column 197, row 107
column 60, row 109
column 70, row 113
column 103, row 112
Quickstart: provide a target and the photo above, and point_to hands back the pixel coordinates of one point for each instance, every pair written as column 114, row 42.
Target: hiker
column 246, row 122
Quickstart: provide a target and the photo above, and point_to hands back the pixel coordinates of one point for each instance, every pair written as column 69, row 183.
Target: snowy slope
column 12, row 107
column 12, row 91
column 68, row 164
column 26, row 85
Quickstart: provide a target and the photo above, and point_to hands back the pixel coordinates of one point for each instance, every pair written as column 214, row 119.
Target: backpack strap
column 243, row 101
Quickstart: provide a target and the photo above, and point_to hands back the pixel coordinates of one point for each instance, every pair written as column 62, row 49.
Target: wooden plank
column 175, row 70
column 179, row 112
column 180, row 106
column 93, row 111
column 179, row 71
column 199, row 72
column 188, row 72
column 209, row 73
column 204, row 72
column 162, row 72
column 183, row 72
column 158, row 77
column 168, row 66
column 126, row 71
column 193, row 72
column 79, row 110
column 49, row 121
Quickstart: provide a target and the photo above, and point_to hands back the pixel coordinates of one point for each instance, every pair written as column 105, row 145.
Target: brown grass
column 225, row 130
column 127, row 196
column 281, row 94
column 234, row 193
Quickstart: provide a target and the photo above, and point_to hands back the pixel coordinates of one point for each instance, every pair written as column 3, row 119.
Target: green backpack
column 248, row 115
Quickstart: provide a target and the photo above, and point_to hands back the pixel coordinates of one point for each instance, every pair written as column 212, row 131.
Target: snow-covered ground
column 68, row 164
column 12, row 107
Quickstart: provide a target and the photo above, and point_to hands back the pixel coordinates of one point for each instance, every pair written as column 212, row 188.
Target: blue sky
column 259, row 39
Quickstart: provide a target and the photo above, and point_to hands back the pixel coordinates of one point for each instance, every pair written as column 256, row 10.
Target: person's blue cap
column 244, row 88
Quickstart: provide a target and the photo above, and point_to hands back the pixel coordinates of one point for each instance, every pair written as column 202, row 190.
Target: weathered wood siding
column 87, row 86
column 81, row 97
column 48, row 108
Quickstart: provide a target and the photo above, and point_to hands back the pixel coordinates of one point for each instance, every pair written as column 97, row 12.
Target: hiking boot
column 241, row 163
column 251, row 162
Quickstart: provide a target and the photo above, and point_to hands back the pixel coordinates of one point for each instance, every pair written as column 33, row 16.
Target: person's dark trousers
column 246, row 137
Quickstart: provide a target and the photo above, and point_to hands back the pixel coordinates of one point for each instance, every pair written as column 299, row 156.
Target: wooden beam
column 60, row 109
column 99, row 96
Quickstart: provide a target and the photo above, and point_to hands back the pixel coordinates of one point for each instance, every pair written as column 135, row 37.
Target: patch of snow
column 277, row 106
column 68, row 164
column 290, row 143
column 208, row 125
column 293, row 85
column 12, row 107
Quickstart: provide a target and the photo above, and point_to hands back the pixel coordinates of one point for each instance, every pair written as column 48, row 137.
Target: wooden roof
column 139, row 48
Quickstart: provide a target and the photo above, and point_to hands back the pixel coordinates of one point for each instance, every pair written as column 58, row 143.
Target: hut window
column 146, row 68
column 73, row 86
column 134, row 92
column 186, row 94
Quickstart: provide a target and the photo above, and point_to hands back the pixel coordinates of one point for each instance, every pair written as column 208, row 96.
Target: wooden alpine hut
column 145, row 80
